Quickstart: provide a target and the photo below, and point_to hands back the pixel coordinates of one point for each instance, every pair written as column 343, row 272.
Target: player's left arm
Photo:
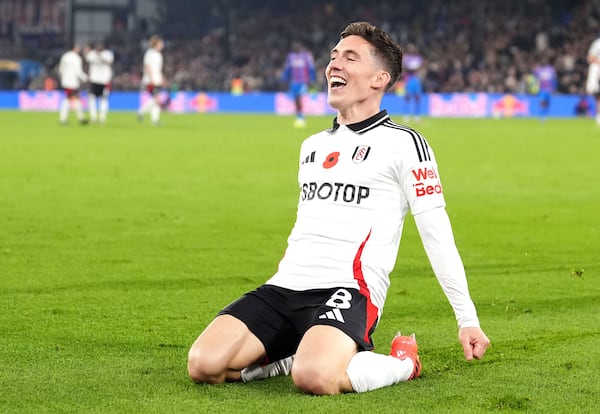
column 474, row 342
column 593, row 53
column 418, row 175
column 312, row 70
column 80, row 73
column 436, row 234
column 107, row 57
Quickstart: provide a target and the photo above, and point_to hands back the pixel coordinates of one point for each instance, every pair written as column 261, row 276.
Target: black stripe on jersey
column 420, row 143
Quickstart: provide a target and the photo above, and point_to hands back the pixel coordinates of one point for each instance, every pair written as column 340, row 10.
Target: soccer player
column 545, row 75
column 298, row 72
column 70, row 70
column 100, row 62
column 315, row 316
column 593, row 78
column 414, row 87
column 152, row 79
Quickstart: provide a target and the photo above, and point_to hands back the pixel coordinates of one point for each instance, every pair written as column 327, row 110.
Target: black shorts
column 279, row 317
column 98, row 89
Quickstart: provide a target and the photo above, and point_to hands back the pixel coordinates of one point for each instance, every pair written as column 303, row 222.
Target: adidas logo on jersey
column 334, row 315
column 309, row 158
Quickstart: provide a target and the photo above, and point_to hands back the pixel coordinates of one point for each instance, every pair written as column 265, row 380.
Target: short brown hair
column 385, row 48
column 154, row 39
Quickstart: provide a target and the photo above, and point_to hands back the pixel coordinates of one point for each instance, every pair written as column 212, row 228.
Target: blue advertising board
column 459, row 105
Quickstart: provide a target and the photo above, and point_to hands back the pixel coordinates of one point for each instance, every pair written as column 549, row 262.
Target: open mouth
column 336, row 82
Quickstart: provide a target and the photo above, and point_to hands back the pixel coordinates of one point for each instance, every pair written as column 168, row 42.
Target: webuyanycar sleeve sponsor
column 427, row 181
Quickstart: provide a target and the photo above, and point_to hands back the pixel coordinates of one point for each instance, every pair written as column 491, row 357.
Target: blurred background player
column 152, row 79
column 592, row 86
column 413, row 86
column 70, row 70
column 545, row 75
column 298, row 72
column 100, row 62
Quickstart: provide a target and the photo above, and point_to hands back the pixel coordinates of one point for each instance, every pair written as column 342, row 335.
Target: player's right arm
column 61, row 65
column 593, row 55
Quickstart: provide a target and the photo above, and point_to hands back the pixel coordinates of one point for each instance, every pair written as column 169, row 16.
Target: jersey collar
column 362, row 126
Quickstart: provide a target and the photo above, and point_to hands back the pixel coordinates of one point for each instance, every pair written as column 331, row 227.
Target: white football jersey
column 357, row 183
column 100, row 66
column 70, row 69
column 592, row 86
column 153, row 64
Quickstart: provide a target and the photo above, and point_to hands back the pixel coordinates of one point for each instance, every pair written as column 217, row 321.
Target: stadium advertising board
column 459, row 105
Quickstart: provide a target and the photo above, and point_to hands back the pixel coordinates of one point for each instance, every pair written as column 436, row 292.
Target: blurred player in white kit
column 153, row 79
column 70, row 70
column 592, row 86
column 100, row 62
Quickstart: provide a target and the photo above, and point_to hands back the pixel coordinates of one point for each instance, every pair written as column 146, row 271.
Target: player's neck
column 357, row 113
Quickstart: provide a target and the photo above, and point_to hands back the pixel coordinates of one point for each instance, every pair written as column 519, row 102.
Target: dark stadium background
column 469, row 45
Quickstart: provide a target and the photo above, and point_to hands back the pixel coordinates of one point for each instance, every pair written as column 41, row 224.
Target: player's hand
column 473, row 341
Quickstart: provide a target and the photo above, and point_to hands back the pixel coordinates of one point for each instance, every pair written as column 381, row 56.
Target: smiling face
column 356, row 80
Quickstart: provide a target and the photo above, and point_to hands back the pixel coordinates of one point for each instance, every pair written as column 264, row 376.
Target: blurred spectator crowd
column 468, row 45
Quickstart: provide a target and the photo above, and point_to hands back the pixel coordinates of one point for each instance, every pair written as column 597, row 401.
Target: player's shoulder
column 397, row 128
column 398, row 132
column 407, row 141
column 317, row 136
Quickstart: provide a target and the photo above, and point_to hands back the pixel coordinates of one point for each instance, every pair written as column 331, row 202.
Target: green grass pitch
column 119, row 243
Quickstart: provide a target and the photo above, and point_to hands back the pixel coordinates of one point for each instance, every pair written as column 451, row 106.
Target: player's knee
column 311, row 380
column 204, row 369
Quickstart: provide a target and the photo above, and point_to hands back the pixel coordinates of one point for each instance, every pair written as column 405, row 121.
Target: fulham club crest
column 360, row 153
